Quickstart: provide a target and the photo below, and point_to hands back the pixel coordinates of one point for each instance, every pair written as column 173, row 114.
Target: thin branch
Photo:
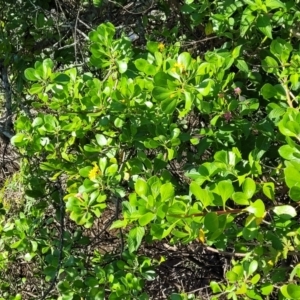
column 61, row 241
column 200, row 41
column 129, row 5
column 202, row 214
column 67, row 46
column 225, row 253
column 75, row 35
column 83, row 34
column 86, row 25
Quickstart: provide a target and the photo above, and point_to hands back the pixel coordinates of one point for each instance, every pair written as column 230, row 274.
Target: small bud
column 227, row 116
column 237, row 91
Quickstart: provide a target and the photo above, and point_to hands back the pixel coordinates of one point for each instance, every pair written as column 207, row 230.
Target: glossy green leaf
column 101, row 139
column 231, row 276
column 135, row 238
column 268, row 91
column 184, row 59
column 215, row 287
column 111, row 170
column 141, row 188
column 31, row 74
column 240, row 198
column 36, row 88
column 269, row 190
column 122, row 66
column 294, row 192
column 292, row 176
column 211, row 221
column 202, row 195
column 255, row 279
column 257, row 208
column 97, row 3
column 270, row 65
column 266, row 289
column 281, row 49
column 264, row 25
column 246, row 21
column 167, row 192
column 293, row 291
column 146, row 218
column 275, row 4
column 289, row 153
column 242, row 65
column 161, row 93
column 19, row 139
column 249, row 187
column 47, row 67
column 144, row 66
column 225, row 189
column 84, row 172
column 169, row 105
column 285, row 211
column 205, row 87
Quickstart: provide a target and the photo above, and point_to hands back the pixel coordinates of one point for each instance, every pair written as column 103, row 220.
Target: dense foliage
column 179, row 147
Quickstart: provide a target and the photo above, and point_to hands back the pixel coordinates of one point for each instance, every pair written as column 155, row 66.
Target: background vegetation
column 149, row 149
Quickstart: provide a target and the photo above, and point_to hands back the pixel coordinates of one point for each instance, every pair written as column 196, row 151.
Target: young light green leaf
column 292, row 176
column 294, row 192
column 293, row 291
column 167, row 192
column 146, row 218
column 249, row 187
column 31, row 74
column 141, row 188
column 285, row 211
column 202, row 195
column 184, row 59
column 144, row 66
column 257, row 208
column 240, row 198
column 225, row 189
column 268, row 190
column 118, row 224
column 101, row 140
column 135, row 237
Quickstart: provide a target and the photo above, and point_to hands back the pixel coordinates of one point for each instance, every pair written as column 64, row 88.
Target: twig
column 199, row 289
column 86, row 25
column 130, row 4
column 75, row 36
column 67, row 46
column 225, row 253
column 202, row 214
column 200, row 41
column 83, row 34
